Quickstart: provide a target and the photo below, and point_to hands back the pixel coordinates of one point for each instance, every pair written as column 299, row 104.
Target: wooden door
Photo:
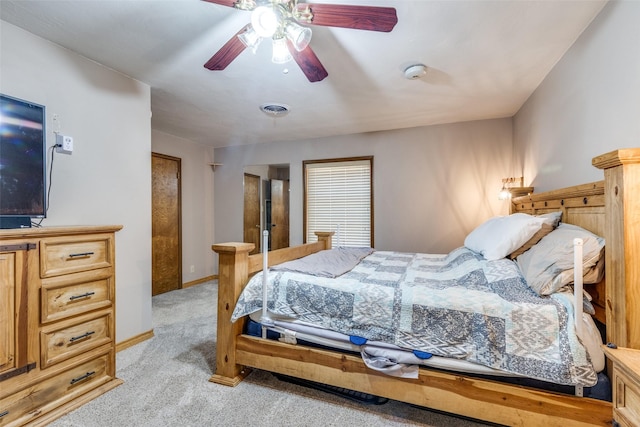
column 252, row 211
column 279, row 214
column 166, row 268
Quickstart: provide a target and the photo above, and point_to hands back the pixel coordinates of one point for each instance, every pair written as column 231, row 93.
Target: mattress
column 397, row 361
column 479, row 315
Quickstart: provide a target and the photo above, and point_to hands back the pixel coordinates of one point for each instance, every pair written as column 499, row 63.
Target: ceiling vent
column 275, row 110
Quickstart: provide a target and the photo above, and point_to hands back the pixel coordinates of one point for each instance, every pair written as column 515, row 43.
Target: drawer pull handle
column 83, row 377
column 79, row 337
column 2, row 414
column 82, row 254
column 74, row 297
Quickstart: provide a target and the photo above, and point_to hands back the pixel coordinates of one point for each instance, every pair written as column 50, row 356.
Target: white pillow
column 499, row 236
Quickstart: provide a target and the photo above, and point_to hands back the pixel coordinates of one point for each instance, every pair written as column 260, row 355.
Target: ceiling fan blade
column 227, row 53
column 370, row 18
column 308, row 63
column 230, row 3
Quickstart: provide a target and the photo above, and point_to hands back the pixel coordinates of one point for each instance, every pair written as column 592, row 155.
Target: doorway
column 166, row 231
column 266, row 206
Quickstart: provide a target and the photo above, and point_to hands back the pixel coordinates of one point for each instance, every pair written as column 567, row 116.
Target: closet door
column 279, row 214
column 252, row 211
column 166, row 251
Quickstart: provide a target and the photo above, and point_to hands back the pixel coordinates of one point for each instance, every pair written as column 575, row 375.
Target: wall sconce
column 513, row 187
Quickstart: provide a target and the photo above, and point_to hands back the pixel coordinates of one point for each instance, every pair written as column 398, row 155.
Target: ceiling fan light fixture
column 245, row 4
column 281, row 54
column 275, row 18
column 266, row 20
column 250, row 38
column 302, row 13
column 298, row 35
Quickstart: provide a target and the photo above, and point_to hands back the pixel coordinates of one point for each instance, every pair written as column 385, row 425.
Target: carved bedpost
column 326, row 237
column 232, row 275
column 622, row 252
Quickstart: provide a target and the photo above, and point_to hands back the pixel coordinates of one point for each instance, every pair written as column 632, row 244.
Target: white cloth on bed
column 327, row 263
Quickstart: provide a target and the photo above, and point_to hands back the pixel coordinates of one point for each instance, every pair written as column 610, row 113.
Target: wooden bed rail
column 325, row 241
column 235, row 266
column 477, row 398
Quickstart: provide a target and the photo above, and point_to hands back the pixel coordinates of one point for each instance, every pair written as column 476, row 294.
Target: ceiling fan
column 280, row 20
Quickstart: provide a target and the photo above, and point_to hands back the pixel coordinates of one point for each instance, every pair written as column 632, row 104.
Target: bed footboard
column 235, row 266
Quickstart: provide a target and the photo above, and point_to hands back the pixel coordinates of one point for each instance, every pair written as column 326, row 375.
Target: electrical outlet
column 64, row 144
column 192, row 268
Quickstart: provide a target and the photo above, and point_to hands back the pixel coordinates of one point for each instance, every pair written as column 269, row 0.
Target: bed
column 607, row 208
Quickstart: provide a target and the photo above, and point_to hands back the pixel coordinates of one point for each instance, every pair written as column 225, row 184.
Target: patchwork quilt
column 457, row 305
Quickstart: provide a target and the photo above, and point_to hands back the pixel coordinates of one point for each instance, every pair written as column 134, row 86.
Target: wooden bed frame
column 610, row 208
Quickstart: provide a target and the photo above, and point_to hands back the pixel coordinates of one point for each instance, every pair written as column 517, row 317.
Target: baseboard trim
column 134, row 340
column 198, row 281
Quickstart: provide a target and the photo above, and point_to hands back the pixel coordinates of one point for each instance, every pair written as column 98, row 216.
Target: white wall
column 197, row 202
column 589, row 104
column 432, row 185
column 107, row 179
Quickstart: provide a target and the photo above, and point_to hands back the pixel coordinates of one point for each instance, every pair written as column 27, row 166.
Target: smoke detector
column 415, row 71
column 274, row 109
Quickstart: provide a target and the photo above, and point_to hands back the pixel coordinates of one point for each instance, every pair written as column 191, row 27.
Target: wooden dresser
column 57, row 320
column 625, row 381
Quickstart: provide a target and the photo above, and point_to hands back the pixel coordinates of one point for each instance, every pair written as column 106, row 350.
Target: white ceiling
column 484, row 59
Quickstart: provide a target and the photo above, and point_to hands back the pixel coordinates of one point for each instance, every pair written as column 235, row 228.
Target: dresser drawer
column 68, row 339
column 66, row 296
column 60, row 256
column 627, row 397
column 28, row 404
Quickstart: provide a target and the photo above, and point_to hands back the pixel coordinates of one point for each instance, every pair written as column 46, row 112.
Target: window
column 338, row 196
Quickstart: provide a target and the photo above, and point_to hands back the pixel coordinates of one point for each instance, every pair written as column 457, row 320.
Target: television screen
column 22, row 158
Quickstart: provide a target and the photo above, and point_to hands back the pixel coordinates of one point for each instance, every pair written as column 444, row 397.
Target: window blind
column 338, row 198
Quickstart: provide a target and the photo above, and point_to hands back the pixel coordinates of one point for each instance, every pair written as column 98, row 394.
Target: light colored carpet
column 166, row 384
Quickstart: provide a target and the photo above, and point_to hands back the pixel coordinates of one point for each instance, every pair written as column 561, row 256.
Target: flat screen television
column 23, row 161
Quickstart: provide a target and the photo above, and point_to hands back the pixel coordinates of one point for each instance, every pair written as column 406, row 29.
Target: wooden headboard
column 581, row 205
column 610, row 208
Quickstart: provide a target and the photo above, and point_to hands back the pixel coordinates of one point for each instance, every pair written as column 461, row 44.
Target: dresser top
column 38, row 232
column 626, row 356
